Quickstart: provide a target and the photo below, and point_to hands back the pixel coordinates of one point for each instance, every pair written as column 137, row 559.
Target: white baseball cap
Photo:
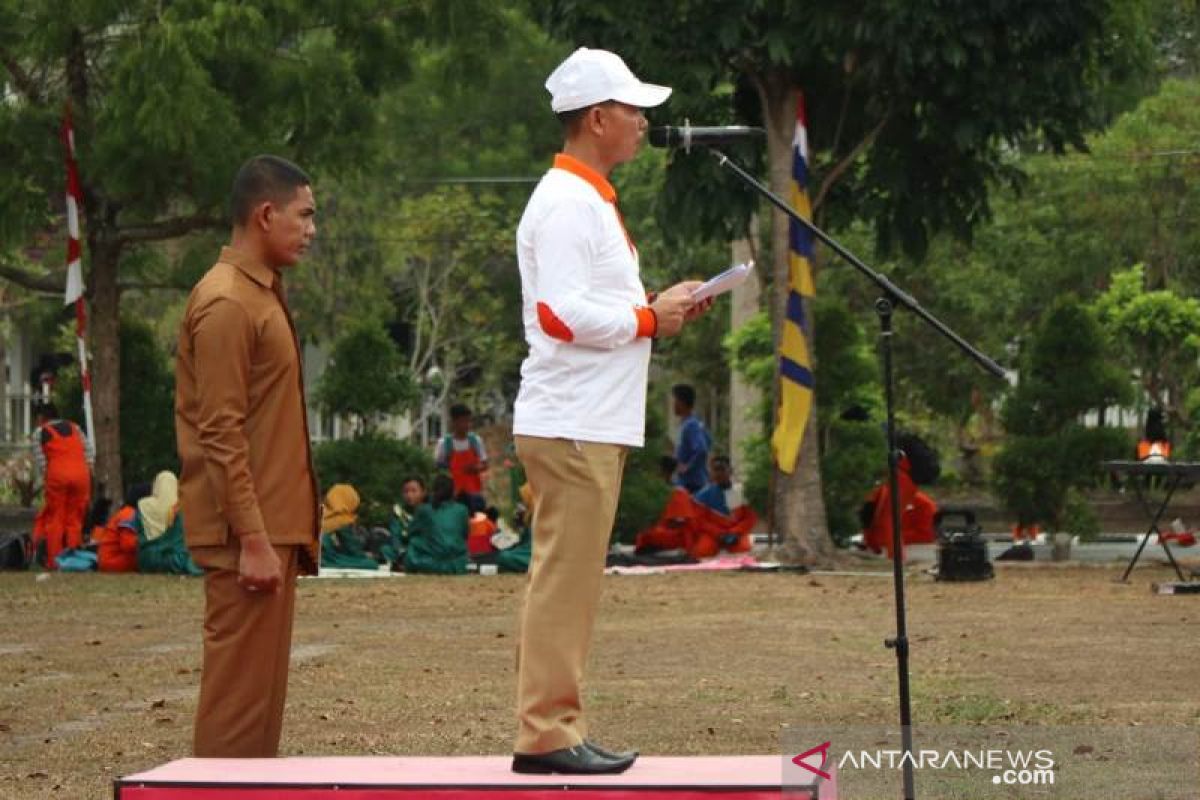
column 591, row 76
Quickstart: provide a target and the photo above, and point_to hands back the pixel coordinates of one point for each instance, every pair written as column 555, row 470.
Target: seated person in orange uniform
column 725, row 519
column 480, row 528
column 117, row 540
column 699, row 529
column 917, row 511
column 675, row 527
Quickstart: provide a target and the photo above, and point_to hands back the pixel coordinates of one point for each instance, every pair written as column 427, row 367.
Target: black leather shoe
column 580, row 760
column 602, row 751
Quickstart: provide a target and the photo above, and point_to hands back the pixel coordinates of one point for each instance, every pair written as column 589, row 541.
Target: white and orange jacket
column 584, row 312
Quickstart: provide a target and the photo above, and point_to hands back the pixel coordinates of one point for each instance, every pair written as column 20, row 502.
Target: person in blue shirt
column 713, row 495
column 694, row 442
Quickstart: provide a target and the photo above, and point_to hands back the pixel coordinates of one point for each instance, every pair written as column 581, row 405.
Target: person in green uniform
column 342, row 544
column 159, row 527
column 412, row 494
column 437, row 534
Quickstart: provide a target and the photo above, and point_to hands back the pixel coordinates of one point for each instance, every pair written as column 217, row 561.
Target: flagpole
column 74, row 289
column 85, row 373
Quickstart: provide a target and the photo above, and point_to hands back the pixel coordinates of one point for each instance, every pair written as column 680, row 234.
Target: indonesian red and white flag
column 74, row 202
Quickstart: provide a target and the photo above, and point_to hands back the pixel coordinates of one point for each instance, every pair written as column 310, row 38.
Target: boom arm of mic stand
column 890, row 289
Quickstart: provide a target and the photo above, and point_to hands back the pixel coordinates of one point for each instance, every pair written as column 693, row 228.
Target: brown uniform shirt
column 240, row 418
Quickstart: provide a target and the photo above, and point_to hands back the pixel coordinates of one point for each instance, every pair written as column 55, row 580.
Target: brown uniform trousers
column 575, row 486
column 247, row 645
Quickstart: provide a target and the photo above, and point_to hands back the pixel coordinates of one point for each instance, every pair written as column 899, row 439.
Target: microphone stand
column 890, row 297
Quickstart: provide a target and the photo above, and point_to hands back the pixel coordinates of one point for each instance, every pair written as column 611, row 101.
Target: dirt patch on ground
column 98, row 673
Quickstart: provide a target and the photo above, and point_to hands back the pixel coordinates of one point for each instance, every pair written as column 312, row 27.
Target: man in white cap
column 588, row 322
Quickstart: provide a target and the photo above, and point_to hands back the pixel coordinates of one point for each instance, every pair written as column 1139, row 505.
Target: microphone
column 688, row 136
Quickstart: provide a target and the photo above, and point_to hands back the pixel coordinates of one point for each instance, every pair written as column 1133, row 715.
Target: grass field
column 98, row 673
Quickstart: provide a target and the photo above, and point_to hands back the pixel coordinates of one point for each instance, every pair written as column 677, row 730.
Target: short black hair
column 722, row 461
column 417, row 479
column 684, row 393
column 458, row 410
column 443, row 489
column 47, row 410
column 570, row 119
column 262, row 178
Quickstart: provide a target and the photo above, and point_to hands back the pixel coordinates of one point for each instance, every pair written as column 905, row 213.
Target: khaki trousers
column 575, row 487
column 247, row 644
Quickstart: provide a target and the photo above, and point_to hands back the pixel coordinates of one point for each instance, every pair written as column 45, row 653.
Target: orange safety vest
column 66, row 459
column 459, row 462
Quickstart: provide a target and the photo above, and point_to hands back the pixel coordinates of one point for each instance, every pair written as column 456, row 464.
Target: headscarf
column 340, row 509
column 158, row 510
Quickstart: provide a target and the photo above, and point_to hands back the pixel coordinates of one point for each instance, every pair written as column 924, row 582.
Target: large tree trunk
column 104, row 328
column 797, row 502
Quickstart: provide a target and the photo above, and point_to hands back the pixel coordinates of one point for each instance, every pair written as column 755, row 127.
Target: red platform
column 676, row 778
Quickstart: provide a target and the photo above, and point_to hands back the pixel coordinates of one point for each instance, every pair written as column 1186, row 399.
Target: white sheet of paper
column 726, row 281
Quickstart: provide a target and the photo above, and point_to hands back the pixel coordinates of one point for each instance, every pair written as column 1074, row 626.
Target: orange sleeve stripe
column 647, row 322
column 553, row 327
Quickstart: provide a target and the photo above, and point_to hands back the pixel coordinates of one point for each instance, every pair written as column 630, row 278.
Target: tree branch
column 840, row 168
column 24, row 82
column 167, row 229
column 50, row 284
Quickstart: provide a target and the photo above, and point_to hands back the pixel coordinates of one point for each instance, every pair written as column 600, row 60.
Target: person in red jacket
column 64, row 457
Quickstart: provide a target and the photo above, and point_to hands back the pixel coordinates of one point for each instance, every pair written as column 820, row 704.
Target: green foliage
column 168, row 99
column 853, row 460
column 846, row 360
column 375, row 465
column 1190, row 442
column 751, row 352
column 922, row 99
column 366, row 376
column 457, row 290
column 1157, row 337
column 644, row 492
column 1079, row 518
column 756, row 475
column 1065, row 373
column 852, row 452
column 147, row 405
column 1033, row 476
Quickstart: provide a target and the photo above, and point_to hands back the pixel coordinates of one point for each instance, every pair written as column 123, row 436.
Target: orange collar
column 576, row 167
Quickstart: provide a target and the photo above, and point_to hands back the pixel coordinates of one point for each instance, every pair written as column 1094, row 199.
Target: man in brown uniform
column 247, row 490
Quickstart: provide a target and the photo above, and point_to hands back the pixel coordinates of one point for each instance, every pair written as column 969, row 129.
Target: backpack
column 76, row 560
column 15, row 550
column 448, row 445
